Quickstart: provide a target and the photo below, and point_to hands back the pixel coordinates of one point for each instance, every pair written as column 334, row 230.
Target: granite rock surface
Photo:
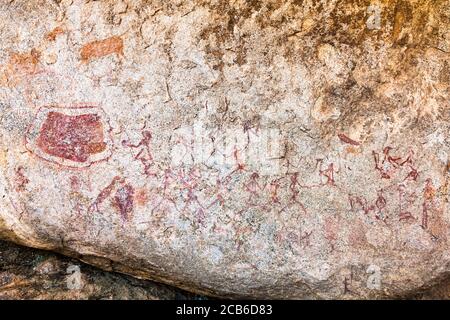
column 27, row 273
column 263, row 149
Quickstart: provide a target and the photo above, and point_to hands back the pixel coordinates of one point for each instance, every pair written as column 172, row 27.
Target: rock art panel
column 270, row 153
column 25, row 271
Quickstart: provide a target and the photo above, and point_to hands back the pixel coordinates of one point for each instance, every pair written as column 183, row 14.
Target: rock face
column 27, row 273
column 35, row 274
column 267, row 149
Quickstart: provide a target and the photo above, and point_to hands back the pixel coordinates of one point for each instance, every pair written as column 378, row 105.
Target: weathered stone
column 285, row 149
column 35, row 274
column 27, row 273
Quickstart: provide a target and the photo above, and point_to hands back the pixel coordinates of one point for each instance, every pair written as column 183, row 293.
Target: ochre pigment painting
column 226, row 149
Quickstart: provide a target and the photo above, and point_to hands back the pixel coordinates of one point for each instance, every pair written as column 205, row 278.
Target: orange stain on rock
column 346, row 139
column 101, row 48
column 51, row 36
column 75, row 138
column 19, row 66
column 352, row 150
column 141, row 197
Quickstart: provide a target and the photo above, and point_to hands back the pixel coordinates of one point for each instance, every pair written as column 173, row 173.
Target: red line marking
column 348, row 140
